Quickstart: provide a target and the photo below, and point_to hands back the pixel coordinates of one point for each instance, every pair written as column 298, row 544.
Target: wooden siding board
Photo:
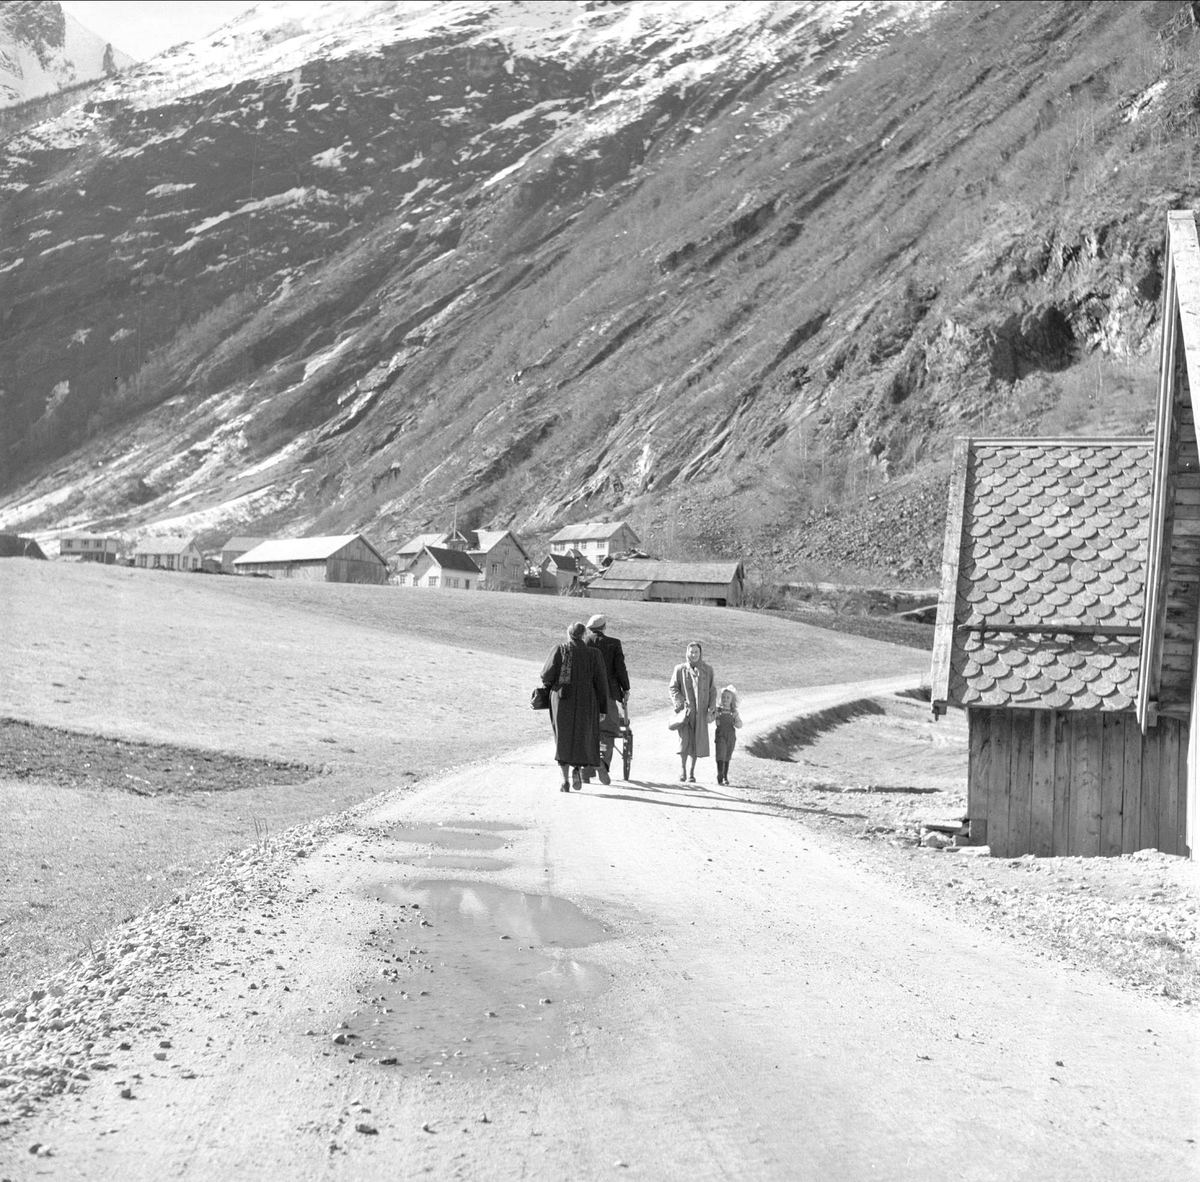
column 943, row 633
column 1112, row 784
column 1020, row 781
column 999, row 766
column 979, row 755
column 1085, row 785
column 1168, row 792
column 1041, row 798
column 1131, row 792
column 1064, row 743
column 1151, row 759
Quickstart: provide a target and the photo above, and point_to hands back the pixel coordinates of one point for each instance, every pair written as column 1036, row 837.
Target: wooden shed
column 344, row 558
column 717, row 584
column 1039, row 637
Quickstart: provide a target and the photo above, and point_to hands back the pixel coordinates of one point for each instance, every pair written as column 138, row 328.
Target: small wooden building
column 234, row 548
column 565, row 573
column 500, row 557
column 168, row 553
column 438, row 567
column 715, row 584
column 15, row 546
column 102, row 548
column 595, row 539
column 343, row 558
column 1038, row 637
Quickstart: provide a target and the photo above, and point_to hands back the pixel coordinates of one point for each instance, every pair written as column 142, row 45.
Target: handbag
column 540, row 698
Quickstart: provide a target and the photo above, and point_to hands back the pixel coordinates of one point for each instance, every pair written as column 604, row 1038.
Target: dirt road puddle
column 457, row 835
column 476, row 978
column 449, row 861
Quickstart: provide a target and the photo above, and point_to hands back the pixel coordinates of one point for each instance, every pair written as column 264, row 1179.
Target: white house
column 168, row 553
column 438, row 567
column 595, row 539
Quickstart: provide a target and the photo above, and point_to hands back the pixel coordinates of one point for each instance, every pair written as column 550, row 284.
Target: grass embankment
column 374, row 686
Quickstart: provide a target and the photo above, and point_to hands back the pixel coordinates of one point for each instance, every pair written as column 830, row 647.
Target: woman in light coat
column 693, row 694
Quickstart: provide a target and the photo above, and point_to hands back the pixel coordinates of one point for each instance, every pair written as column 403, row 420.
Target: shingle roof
column 458, row 560
column 589, row 530
column 170, row 544
column 569, row 562
column 1053, row 532
column 295, row 549
column 673, row 572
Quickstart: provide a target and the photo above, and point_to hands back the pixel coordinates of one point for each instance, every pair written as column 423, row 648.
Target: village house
column 90, row 547
column 497, row 553
column 1068, row 619
column 436, row 566
column 566, row 573
column 234, row 548
column 714, row 584
column 167, row 553
column 500, row 557
column 15, row 546
column 596, row 539
column 340, row 558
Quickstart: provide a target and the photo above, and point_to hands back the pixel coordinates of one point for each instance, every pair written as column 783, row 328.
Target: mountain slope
column 43, row 50
column 727, row 268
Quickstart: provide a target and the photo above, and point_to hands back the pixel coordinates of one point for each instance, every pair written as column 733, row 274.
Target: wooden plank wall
column 1059, row 783
column 1182, row 583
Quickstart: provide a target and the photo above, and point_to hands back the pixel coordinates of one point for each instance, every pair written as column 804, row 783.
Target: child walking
column 728, row 720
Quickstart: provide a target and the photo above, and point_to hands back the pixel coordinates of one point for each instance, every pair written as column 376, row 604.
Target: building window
column 467, row 584
column 451, row 582
column 432, row 581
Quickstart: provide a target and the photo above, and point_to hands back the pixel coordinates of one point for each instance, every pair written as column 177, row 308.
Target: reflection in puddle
column 457, row 835
column 470, row 984
column 448, row 861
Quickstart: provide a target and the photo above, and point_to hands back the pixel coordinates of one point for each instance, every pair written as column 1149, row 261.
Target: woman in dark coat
column 574, row 674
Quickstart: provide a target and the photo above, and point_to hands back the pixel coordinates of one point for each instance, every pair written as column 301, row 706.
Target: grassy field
column 372, row 687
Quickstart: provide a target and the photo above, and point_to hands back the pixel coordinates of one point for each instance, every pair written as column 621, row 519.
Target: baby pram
column 621, row 734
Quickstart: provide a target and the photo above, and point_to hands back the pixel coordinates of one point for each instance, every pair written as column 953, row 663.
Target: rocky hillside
column 44, row 50
column 738, row 271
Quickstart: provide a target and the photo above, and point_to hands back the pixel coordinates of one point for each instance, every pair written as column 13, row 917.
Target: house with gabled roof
column 500, row 557
column 595, row 539
column 441, row 568
column 340, row 558
column 566, row 573
column 173, row 552
column 715, row 584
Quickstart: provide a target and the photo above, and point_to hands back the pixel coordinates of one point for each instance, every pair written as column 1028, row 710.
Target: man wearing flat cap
column 612, row 657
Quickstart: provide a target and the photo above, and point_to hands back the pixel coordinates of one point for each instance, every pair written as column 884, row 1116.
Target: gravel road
column 487, row 979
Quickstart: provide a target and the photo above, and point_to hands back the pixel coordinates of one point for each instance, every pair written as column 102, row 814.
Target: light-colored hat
column 597, row 623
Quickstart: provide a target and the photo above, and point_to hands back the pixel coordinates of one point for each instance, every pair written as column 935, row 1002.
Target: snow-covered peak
column 282, row 35
column 43, row 50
